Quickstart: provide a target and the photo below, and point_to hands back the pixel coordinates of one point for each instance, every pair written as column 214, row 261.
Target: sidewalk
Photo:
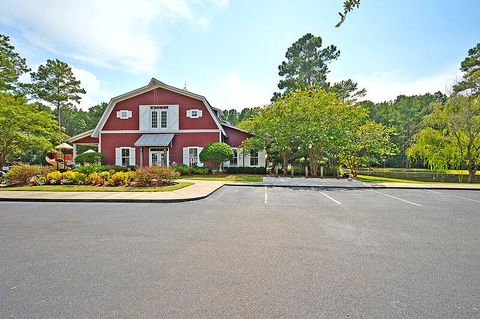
column 323, row 183
column 199, row 190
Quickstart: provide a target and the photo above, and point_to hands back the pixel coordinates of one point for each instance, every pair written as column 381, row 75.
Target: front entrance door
column 158, row 156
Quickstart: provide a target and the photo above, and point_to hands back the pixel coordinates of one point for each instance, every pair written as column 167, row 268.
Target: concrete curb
column 322, row 187
column 106, row 200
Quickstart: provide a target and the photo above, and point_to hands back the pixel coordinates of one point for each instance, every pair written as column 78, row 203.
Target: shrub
column 93, row 157
column 199, row 170
column 88, row 169
column 95, row 179
column 120, row 179
column 155, row 176
column 26, row 174
column 217, row 153
column 72, row 177
column 54, row 177
column 245, row 170
column 182, row 169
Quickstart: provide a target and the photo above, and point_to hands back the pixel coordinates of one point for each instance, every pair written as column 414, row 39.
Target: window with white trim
column 234, row 160
column 194, row 113
column 253, row 158
column 125, row 156
column 159, row 116
column 192, row 156
column 124, row 114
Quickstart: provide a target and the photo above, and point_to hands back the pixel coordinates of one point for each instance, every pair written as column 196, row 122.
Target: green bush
column 54, row 177
column 96, row 168
column 92, row 158
column 72, row 177
column 26, row 174
column 245, row 170
column 155, row 176
column 199, row 170
column 95, row 179
column 182, row 169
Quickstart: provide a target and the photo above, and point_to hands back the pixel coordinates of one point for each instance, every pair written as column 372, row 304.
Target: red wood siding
column 158, row 97
column 235, row 137
column 86, row 140
column 110, row 141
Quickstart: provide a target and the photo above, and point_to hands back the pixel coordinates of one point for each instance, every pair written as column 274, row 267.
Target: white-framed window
column 124, row 114
column 194, row 113
column 234, row 160
column 193, row 156
column 159, row 116
column 125, row 156
column 253, row 158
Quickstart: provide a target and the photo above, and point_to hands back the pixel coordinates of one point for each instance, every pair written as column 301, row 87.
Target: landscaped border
column 87, row 188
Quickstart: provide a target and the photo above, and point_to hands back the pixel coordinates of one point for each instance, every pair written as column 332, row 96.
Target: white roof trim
column 236, row 128
column 79, row 136
column 153, row 84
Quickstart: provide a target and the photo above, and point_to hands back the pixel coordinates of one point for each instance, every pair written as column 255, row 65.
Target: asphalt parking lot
column 246, row 252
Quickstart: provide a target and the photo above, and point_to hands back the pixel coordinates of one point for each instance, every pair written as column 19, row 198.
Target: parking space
column 246, row 252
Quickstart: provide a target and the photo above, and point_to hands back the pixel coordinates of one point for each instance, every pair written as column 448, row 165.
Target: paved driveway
column 246, row 253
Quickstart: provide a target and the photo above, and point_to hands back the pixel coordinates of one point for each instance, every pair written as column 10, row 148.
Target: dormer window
column 124, row 114
column 194, row 113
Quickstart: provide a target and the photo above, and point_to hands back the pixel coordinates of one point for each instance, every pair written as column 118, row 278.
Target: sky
column 229, row 50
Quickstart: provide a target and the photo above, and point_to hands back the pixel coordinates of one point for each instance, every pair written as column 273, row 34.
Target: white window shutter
column 261, row 158
column 189, row 113
column 172, row 117
column 247, row 159
column 119, row 114
column 199, row 149
column 118, row 156
column 199, row 113
column 144, row 118
column 185, row 155
column 239, row 157
column 132, row 156
column 129, row 114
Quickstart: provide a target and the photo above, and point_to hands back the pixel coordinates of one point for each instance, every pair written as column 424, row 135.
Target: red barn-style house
column 159, row 124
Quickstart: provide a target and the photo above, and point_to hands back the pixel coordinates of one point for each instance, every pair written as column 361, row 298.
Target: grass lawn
column 379, row 179
column 84, row 188
column 422, row 170
column 226, row 178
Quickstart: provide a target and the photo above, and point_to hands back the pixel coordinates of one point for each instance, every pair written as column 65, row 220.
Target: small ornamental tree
column 217, row 153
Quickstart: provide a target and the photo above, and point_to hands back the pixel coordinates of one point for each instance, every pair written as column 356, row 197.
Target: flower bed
column 31, row 175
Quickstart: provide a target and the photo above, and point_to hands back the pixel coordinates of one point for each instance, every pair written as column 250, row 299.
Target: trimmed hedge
column 26, row 174
column 245, row 170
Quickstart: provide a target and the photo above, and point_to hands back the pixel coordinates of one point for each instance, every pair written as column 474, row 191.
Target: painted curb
column 107, row 200
column 321, row 187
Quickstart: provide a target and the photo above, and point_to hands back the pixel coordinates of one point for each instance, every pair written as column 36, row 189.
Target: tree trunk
column 471, row 174
column 285, row 162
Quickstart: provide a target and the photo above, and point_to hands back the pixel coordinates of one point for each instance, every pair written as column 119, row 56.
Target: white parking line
column 398, row 198
column 332, row 199
column 266, row 196
column 473, row 200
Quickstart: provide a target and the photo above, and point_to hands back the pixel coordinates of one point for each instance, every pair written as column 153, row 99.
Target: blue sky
column 229, row 50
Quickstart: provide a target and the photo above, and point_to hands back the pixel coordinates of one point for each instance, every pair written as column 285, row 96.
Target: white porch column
column 74, row 151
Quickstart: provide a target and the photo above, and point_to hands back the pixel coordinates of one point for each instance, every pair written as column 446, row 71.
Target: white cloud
column 388, row 85
column 230, row 91
column 115, row 33
column 91, row 84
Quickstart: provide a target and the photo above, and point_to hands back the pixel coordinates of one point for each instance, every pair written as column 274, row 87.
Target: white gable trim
column 153, row 84
column 79, row 136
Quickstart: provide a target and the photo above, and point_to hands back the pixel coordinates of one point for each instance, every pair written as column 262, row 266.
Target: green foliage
column 348, row 6
column 71, row 177
column 182, row 169
column 405, row 116
column 216, row 153
column 471, row 68
column 234, row 117
column 306, row 64
column 451, row 137
column 12, row 65
column 155, row 176
column 245, row 170
column 90, row 157
column 26, row 174
column 347, row 90
column 253, row 143
column 24, row 128
column 54, row 177
column 197, row 170
column 367, row 145
column 120, row 179
column 88, row 169
column 55, row 84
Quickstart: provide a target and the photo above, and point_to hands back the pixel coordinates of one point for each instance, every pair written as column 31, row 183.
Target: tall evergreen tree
column 306, row 64
column 12, row 65
column 471, row 68
column 55, row 83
